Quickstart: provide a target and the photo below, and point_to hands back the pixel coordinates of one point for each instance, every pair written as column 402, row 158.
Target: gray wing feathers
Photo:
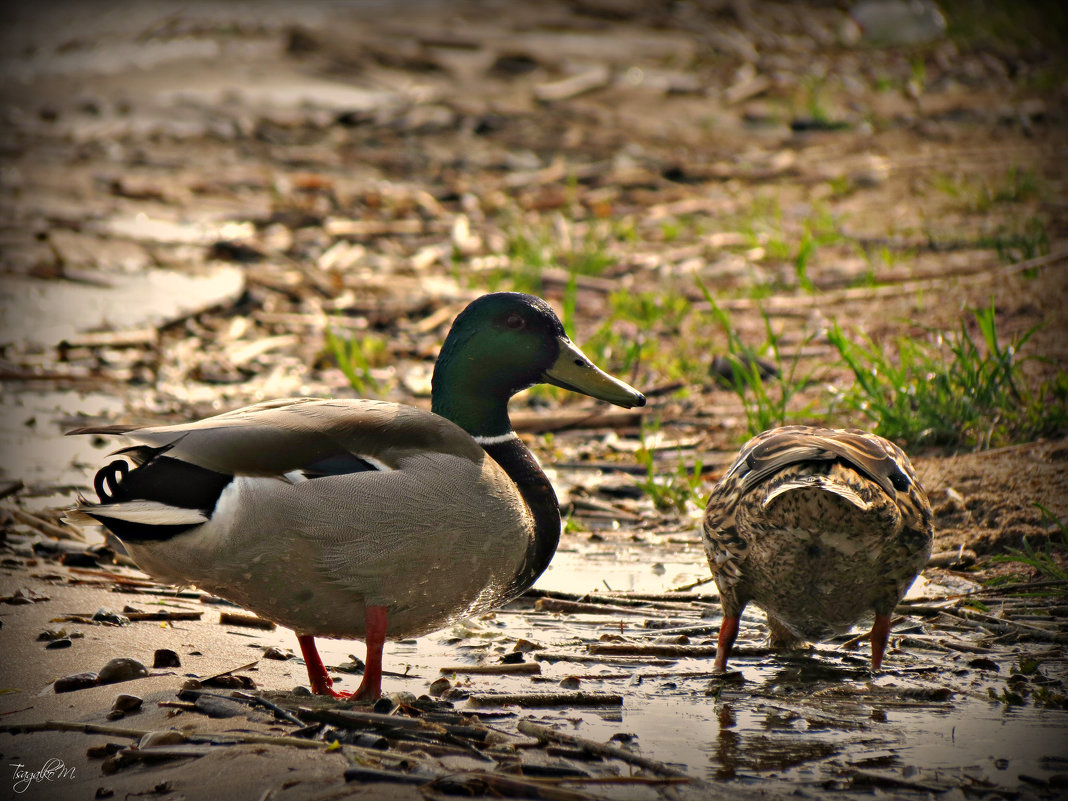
column 275, row 437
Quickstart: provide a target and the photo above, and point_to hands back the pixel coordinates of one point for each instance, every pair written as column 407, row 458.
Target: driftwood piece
column 545, row 699
column 538, row 422
column 161, row 616
column 519, row 669
column 547, row 733
column 251, row 621
column 119, row 731
column 596, row 77
column 623, row 661
column 575, row 607
column 657, row 600
column 43, row 526
column 641, row 649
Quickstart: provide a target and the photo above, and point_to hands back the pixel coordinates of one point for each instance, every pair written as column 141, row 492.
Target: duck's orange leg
column 728, row 632
column 880, row 636
column 370, row 688
column 321, row 683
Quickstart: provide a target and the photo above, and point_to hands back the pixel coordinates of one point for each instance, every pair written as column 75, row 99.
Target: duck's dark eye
column 515, row 321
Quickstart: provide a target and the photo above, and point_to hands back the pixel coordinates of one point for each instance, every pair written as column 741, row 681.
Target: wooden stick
column 671, row 600
column 252, row 621
column 545, row 699
column 547, row 733
column 538, row 422
column 117, row 578
column 518, row 669
column 153, row 616
column 138, row 337
column 231, row 670
column 1024, row 585
column 1007, row 625
column 686, row 587
column 118, row 731
column 49, row 529
column 574, row 607
column 351, row 718
column 964, row 647
column 673, row 631
column 636, row 649
column 624, row 661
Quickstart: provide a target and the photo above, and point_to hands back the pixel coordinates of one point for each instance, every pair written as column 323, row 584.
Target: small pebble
column 513, row 658
column 126, row 703
column 61, row 643
column 276, row 653
column 105, row 750
column 218, row 707
column 439, row 686
column 154, row 738
column 301, row 691
column 122, row 668
column 79, row 681
column 195, row 684
column 51, row 634
column 165, row 658
column 110, row 618
column 984, row 664
column 230, row 682
column 570, row 683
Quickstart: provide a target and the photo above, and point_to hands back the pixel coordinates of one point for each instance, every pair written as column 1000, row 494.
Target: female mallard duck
column 817, row 527
column 360, row 518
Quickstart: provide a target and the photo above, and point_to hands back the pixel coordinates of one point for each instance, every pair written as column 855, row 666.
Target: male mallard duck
column 360, row 518
column 817, row 527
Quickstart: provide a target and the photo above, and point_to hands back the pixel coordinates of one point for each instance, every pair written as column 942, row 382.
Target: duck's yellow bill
column 572, row 370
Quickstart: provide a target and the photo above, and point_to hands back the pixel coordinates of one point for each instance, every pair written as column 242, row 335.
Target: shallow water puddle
column 35, row 449
column 40, row 313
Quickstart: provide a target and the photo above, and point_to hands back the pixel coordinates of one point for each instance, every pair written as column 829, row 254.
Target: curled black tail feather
column 107, row 480
column 152, row 478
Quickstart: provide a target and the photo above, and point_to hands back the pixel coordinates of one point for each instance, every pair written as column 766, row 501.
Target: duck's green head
column 502, row 343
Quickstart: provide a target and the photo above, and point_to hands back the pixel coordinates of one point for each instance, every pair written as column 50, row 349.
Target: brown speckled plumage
column 818, row 527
